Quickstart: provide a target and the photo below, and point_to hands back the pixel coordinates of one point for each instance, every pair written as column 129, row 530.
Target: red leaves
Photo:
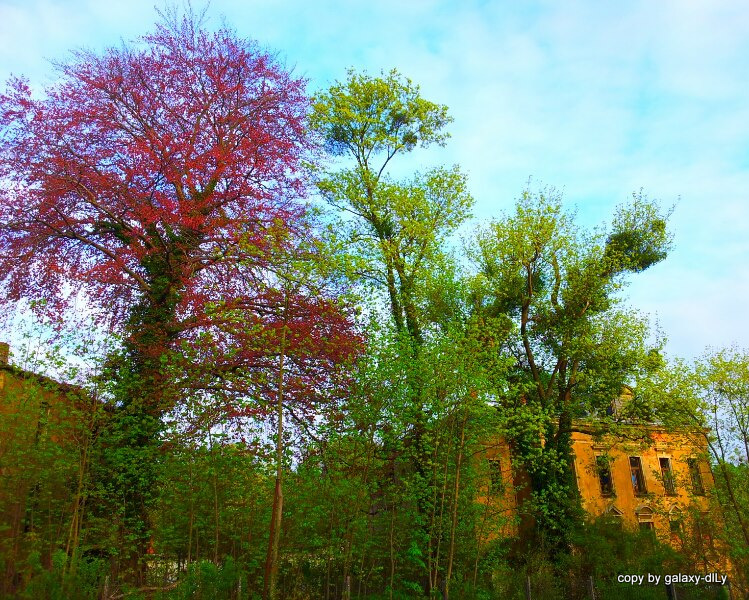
column 156, row 176
column 191, row 133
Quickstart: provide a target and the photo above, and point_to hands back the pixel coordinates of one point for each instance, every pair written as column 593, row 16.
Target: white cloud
column 597, row 98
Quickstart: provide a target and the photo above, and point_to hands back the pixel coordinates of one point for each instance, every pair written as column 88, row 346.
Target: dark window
column 668, row 476
column 696, row 477
column 603, row 467
column 496, row 482
column 647, row 526
column 638, row 478
column 675, row 519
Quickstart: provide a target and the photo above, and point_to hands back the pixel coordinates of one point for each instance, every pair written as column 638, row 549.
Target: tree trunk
column 443, row 496
column 71, row 547
column 392, row 551
column 454, row 523
column 215, row 508
column 270, row 591
column 191, row 518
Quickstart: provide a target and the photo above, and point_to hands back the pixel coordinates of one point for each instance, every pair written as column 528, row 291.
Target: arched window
column 644, row 516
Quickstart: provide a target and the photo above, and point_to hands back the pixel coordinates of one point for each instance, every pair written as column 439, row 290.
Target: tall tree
column 304, row 374
column 397, row 228
column 709, row 400
column 152, row 181
column 575, row 347
column 722, row 380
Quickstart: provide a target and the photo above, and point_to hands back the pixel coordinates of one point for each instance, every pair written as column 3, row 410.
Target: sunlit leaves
column 396, row 229
column 639, row 237
column 367, row 116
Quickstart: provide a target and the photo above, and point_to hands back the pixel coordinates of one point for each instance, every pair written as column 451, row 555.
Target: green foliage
column 395, row 231
column 59, row 584
column 605, row 550
column 639, row 236
column 205, row 580
column 212, row 502
column 45, row 431
column 377, row 115
column 576, row 348
column 721, row 379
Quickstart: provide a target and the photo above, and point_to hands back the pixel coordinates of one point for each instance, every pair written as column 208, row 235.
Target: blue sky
column 598, row 99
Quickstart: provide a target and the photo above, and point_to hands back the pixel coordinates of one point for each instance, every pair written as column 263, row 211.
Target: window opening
column 496, row 482
column 645, row 518
column 696, row 477
column 603, row 467
column 674, row 520
column 638, row 477
column 668, row 476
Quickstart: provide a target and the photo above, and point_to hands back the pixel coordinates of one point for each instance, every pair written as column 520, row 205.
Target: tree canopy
column 397, row 229
column 322, row 403
column 575, row 348
column 161, row 184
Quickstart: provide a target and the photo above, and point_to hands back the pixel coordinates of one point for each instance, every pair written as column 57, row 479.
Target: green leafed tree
column 395, row 228
column 575, row 345
column 711, row 400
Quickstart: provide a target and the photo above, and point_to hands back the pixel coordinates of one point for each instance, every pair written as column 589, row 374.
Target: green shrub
column 81, row 581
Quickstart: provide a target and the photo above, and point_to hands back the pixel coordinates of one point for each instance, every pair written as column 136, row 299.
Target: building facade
column 651, row 479
column 644, row 477
column 42, row 435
